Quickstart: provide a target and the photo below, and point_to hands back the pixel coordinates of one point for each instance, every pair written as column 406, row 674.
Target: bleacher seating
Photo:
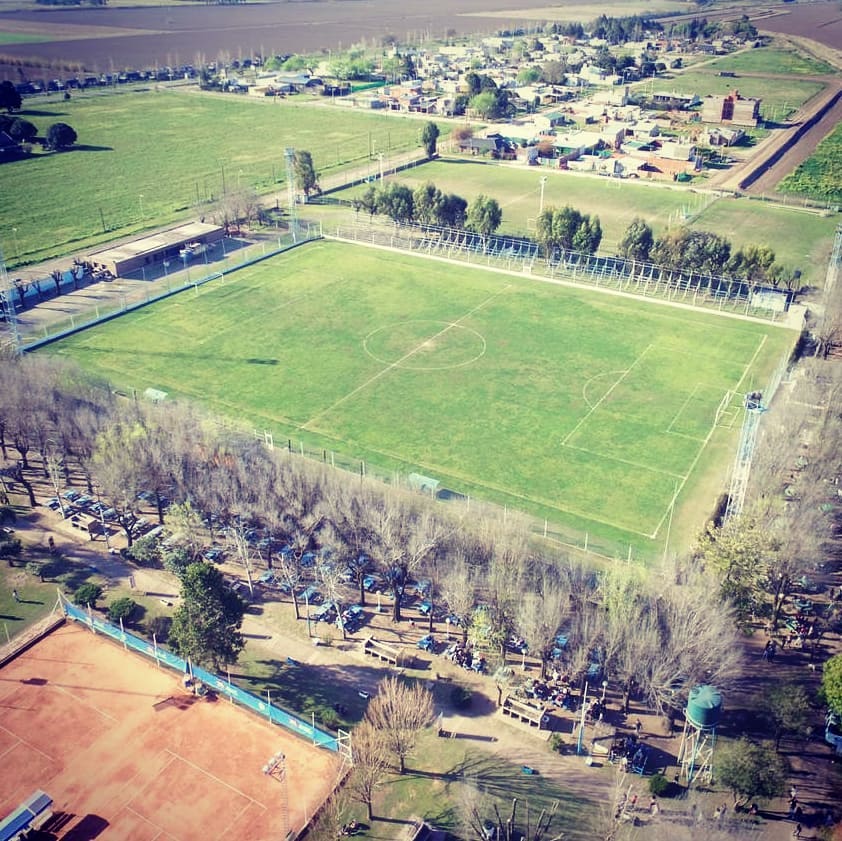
column 32, row 813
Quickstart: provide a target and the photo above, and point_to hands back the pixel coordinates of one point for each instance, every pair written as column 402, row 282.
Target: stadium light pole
column 17, row 249
column 140, row 200
column 380, row 155
column 541, row 202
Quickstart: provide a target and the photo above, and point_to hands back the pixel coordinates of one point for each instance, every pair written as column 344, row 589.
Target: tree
column 9, row 97
column 122, row 609
column 371, row 765
column 398, row 712
column 637, row 241
column 306, row 178
column 206, row 625
column 462, row 134
column 832, row 684
column 60, row 136
column 485, row 105
column 751, row 770
column 788, row 710
column 23, row 131
column 426, row 200
column 395, row 201
column 87, row 594
column 429, row 137
column 484, row 216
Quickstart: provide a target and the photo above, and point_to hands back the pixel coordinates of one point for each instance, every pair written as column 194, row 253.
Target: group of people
column 463, row 655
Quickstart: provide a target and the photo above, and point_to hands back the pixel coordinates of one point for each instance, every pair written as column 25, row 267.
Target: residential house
column 731, row 108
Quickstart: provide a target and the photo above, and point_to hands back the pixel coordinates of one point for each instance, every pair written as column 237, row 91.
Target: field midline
column 446, row 473
column 525, row 274
column 604, row 396
column 630, row 463
column 398, row 362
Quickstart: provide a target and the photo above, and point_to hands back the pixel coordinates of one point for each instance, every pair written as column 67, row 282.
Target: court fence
column 163, row 657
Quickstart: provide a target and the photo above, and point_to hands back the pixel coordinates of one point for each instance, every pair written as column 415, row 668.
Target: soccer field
column 588, row 409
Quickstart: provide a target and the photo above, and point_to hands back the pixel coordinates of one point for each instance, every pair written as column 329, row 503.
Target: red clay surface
column 80, row 722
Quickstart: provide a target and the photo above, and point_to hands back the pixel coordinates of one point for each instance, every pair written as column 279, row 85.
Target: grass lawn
column 771, row 60
column 781, row 97
column 801, row 240
column 502, row 387
column 434, row 789
column 19, row 38
column 148, row 158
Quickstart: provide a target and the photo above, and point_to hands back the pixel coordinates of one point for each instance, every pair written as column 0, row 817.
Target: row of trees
column 59, row 136
column 660, row 640
column 685, row 249
column 428, row 205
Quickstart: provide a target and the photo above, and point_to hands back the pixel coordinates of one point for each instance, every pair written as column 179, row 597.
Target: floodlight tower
column 695, row 755
column 9, row 311
column 754, row 408
column 289, row 156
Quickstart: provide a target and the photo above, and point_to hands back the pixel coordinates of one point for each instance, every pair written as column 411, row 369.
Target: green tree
column 206, row 625
column 429, row 137
column 637, row 241
column 426, row 200
column 306, row 178
column 788, row 710
column 485, row 105
column 10, row 548
column 484, row 216
column 122, row 609
column 9, row 97
column 528, row 75
column 395, row 201
column 451, row 211
column 832, row 684
column 23, row 131
column 740, row 554
column 87, row 595
column 751, row 770
column 60, row 136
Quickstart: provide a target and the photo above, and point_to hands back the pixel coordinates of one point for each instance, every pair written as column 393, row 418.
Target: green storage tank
column 704, row 707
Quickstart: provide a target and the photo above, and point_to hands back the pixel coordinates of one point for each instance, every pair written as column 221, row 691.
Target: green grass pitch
column 589, row 409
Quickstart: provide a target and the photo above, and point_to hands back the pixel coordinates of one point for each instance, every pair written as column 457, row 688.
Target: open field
column 770, row 60
column 781, row 97
column 152, row 157
column 518, row 391
column 793, row 234
column 92, row 725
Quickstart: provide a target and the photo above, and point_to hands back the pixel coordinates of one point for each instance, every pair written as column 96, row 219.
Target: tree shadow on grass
column 86, row 147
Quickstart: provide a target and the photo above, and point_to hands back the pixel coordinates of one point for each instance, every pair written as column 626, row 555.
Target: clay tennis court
column 126, row 752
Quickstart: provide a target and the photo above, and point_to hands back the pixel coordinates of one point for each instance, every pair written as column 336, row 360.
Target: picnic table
column 424, row 608
column 324, row 611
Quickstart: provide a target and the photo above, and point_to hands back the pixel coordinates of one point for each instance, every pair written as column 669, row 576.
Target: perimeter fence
column 642, row 279
column 163, row 657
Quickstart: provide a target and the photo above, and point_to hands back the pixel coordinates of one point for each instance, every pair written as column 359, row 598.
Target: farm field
column 781, row 97
column 589, row 410
column 820, row 176
column 149, row 157
column 800, row 239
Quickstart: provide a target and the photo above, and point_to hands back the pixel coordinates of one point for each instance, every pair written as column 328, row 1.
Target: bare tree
column 371, row 765
column 398, row 712
column 459, row 588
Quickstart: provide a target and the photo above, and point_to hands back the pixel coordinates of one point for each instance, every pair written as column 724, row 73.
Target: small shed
column 423, row 483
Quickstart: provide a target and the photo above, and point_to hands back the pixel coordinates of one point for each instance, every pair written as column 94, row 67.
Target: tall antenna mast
column 289, row 155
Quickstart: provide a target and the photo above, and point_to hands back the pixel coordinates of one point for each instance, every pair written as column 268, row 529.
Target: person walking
column 15, row 596
column 796, row 833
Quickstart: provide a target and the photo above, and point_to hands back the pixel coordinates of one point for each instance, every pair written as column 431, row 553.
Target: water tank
column 704, row 706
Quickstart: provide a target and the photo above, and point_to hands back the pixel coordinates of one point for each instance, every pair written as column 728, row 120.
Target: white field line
column 683, row 407
column 397, row 363
column 638, row 465
column 607, row 393
column 705, row 442
column 216, row 779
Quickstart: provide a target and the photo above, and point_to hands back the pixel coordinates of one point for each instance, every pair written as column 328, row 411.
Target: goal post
column 722, row 409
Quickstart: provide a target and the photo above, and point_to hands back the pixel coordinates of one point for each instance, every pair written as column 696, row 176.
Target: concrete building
column 731, row 108
column 163, row 245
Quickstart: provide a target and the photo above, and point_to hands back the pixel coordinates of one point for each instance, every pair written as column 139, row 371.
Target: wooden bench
column 383, row 651
column 522, row 711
